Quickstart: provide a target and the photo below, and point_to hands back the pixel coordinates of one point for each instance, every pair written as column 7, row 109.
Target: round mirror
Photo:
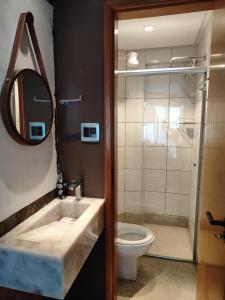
column 29, row 107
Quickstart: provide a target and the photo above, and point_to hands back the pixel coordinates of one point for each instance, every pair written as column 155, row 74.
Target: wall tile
column 121, row 87
column 154, row 180
column 179, row 158
column 197, row 110
column 120, row 202
column 134, row 133
column 157, row 86
column 159, row 57
column 120, row 158
column 133, row 202
column 133, row 181
column 135, row 87
column 182, row 85
column 156, row 110
column 196, row 137
column 177, row 137
column 120, row 110
column 155, row 158
column 155, row 134
column 195, row 158
column 188, row 50
column 133, row 157
column 120, row 134
column 177, row 204
column 153, row 202
column 178, row 182
column 120, row 180
column 181, row 110
column 122, row 61
column 134, row 110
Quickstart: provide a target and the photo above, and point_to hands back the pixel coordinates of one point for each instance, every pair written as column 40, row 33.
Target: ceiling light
column 132, row 59
column 116, row 31
column 149, row 28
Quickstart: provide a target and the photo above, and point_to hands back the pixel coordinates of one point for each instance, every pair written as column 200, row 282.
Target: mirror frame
column 26, row 19
column 6, row 109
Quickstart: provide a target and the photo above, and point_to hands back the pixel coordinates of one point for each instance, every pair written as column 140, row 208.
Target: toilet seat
column 132, row 234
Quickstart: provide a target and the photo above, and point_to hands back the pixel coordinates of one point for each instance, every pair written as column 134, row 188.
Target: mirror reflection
column 31, row 106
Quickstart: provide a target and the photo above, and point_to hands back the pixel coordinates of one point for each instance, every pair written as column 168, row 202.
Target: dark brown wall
column 78, row 39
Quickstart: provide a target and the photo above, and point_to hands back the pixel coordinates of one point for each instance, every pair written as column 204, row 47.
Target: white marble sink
column 44, row 254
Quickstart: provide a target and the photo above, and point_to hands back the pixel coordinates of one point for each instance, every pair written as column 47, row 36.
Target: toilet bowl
column 132, row 242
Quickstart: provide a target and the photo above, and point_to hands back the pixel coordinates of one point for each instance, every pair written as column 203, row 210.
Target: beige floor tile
column 171, row 241
column 160, row 279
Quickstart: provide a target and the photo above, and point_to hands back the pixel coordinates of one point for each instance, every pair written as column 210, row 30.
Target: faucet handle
column 78, row 180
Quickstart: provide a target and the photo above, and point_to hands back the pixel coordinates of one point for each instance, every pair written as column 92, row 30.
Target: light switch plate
column 90, row 132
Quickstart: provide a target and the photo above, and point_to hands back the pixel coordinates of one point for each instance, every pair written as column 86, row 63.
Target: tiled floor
column 171, row 241
column 160, row 279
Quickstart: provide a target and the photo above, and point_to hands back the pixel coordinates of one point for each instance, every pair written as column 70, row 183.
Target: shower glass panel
column 158, row 133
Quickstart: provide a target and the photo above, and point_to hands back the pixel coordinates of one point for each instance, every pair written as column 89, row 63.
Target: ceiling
column 171, row 30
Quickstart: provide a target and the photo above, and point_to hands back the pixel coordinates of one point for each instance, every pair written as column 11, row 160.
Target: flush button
column 90, row 132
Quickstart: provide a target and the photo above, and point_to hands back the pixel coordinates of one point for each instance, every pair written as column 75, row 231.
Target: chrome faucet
column 77, row 186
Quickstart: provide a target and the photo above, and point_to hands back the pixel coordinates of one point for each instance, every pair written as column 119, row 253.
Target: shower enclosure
column 158, row 125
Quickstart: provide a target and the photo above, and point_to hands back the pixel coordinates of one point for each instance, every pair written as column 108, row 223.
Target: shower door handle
column 212, row 221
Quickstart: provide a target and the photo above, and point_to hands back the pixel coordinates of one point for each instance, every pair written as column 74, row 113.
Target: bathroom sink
column 44, row 254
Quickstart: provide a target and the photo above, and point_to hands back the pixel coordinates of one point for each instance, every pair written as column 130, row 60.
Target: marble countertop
column 44, row 254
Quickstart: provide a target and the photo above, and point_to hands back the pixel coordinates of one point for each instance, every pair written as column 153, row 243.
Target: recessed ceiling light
column 116, row 31
column 149, row 28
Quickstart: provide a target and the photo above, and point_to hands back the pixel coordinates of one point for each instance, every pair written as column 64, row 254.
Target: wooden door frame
column 115, row 10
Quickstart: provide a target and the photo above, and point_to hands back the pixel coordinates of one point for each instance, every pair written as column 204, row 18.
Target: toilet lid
column 132, row 234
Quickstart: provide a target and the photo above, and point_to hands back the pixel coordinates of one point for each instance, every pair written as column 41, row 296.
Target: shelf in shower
column 158, row 71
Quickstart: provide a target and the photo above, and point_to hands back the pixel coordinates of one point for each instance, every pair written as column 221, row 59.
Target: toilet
column 132, row 242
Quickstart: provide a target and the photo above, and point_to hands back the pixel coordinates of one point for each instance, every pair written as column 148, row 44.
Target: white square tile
column 134, row 110
column 178, row 182
column 153, row 202
column 181, row 51
column 134, row 134
column 133, row 202
column 141, row 60
column 133, row 157
column 179, row 158
column 120, row 180
column 182, row 85
column 177, row 204
column 121, row 87
column 178, row 136
column 194, row 159
column 158, row 57
column 154, row 180
column 120, row 157
column 120, row 110
column 135, row 87
column 157, row 86
column 120, row 202
column 133, row 180
column 155, row 158
column 121, row 59
column 156, row 110
column 198, row 110
column 155, row 134
column 181, row 110
column 120, row 134
column 196, row 137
